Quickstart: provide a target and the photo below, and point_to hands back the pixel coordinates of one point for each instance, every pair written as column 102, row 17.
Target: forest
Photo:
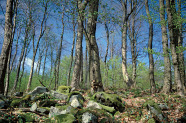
column 90, row 61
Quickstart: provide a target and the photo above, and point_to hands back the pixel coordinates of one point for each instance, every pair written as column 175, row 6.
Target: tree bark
column 180, row 44
column 6, row 44
column 94, row 61
column 173, row 34
column 78, row 52
column 133, row 43
column 151, row 60
column 124, row 45
column 72, row 50
column 58, row 59
column 167, row 66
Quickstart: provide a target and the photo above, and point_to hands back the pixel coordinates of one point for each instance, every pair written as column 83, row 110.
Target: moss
column 43, row 96
column 22, row 101
column 75, row 93
column 112, row 100
column 153, row 104
column 64, row 118
column 97, row 112
column 47, row 103
column 27, row 117
column 107, row 108
column 64, row 89
column 151, row 120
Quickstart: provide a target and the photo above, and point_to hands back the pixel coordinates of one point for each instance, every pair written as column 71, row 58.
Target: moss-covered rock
column 97, row 112
column 111, row 100
column 75, row 93
column 43, row 96
column 64, row 89
column 47, row 103
column 64, row 118
column 21, row 102
column 152, row 104
column 107, row 108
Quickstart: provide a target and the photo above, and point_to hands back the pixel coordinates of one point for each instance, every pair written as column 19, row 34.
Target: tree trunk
column 43, row 25
column 133, row 43
column 167, row 66
column 180, row 45
column 173, row 34
column 43, row 74
column 77, row 63
column 6, row 44
column 95, row 73
column 58, row 59
column 106, row 54
column 72, row 50
column 151, row 60
column 124, row 45
column 86, row 68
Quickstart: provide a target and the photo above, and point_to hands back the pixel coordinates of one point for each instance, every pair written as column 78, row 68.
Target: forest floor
column 134, row 106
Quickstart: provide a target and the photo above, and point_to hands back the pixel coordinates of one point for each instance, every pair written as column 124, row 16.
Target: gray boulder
column 163, row 106
column 59, row 95
column 38, row 90
column 43, row 110
column 156, row 112
column 18, row 94
column 92, row 104
column 89, row 118
column 33, row 107
column 75, row 101
column 57, row 111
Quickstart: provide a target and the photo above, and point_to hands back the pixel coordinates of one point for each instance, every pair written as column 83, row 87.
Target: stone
column 59, row 95
column 65, row 118
column 89, row 118
column 92, row 104
column 111, row 100
column 43, row 110
column 163, row 106
column 64, row 89
column 18, row 94
column 74, row 102
column 57, row 111
column 38, row 90
column 33, row 107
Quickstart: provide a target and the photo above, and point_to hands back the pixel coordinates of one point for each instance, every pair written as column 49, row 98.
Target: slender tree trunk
column 81, row 74
column 21, row 56
column 38, row 67
column 173, row 34
column 167, row 66
column 59, row 51
column 43, row 74
column 180, row 44
column 124, row 45
column 23, row 64
column 133, row 43
column 151, row 60
column 43, row 25
column 86, row 68
column 6, row 44
column 77, row 63
column 106, row 54
column 72, row 50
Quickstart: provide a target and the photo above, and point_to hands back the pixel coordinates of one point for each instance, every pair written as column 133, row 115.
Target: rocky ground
column 111, row 106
